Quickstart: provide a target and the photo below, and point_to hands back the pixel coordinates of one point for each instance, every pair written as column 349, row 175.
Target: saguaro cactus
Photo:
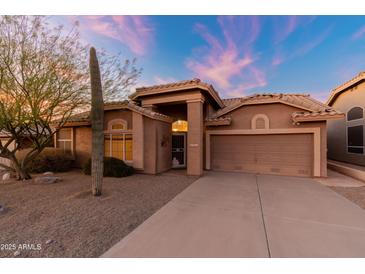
column 97, row 125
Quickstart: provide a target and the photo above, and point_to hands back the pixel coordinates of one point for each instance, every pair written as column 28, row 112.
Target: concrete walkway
column 355, row 171
column 247, row 215
column 337, row 179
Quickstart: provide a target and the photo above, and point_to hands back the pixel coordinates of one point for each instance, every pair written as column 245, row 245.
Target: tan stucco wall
column 83, row 139
column 163, row 146
column 151, row 141
column 337, row 129
column 118, row 114
column 157, row 156
column 82, row 145
column 149, row 136
column 324, row 150
column 195, row 138
column 279, row 118
column 138, row 141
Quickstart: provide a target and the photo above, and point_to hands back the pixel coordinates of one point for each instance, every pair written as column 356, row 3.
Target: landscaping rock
column 48, row 173
column 6, row 176
column 17, row 253
column 49, row 242
column 47, row 180
column 2, row 208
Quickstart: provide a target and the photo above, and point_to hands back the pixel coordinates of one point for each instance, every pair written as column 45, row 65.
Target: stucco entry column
column 195, row 137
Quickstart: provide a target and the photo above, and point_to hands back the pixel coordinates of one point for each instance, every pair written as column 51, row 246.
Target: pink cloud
column 253, row 78
column 135, row 32
column 284, row 26
column 277, row 60
column 360, row 33
column 315, row 42
column 227, row 62
column 303, row 47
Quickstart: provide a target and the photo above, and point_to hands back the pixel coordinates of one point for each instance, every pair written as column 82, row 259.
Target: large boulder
column 47, row 179
column 48, row 173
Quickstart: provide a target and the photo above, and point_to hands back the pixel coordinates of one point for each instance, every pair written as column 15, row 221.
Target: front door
column 178, row 150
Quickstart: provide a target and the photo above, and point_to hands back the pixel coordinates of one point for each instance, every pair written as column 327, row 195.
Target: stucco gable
column 178, row 86
column 306, row 105
column 345, row 87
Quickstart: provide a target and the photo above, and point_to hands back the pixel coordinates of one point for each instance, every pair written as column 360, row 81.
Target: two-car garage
column 281, row 134
column 282, row 154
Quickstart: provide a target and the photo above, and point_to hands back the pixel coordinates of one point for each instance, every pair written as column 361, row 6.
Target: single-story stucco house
column 188, row 125
column 346, row 136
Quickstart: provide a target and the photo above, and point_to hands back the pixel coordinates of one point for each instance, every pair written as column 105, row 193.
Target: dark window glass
column 355, row 113
column 358, row 150
column 355, row 139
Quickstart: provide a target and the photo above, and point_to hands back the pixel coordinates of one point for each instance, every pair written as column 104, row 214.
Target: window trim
column 258, row 116
column 124, row 143
column 65, row 140
column 358, row 119
column 117, row 121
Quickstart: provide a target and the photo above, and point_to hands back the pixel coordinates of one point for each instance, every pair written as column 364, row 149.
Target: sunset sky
column 239, row 55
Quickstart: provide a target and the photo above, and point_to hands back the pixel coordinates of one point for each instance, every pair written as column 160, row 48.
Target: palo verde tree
column 44, row 79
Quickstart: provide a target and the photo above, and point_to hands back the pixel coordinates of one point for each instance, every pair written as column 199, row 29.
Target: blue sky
column 239, row 55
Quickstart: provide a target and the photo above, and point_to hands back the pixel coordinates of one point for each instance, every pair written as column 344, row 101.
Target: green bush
column 50, row 159
column 113, row 167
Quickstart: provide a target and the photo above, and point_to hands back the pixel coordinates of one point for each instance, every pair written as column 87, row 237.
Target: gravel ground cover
column 64, row 220
column 354, row 194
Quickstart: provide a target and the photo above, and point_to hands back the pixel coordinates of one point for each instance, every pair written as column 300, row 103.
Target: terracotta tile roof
column 231, row 101
column 168, row 85
column 341, row 88
column 313, row 116
column 84, row 117
column 132, row 106
column 80, row 117
column 218, row 121
column 311, row 107
column 175, row 86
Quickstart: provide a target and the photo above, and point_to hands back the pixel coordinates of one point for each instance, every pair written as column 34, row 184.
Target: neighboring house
column 346, row 137
column 4, row 161
column 4, row 139
column 187, row 125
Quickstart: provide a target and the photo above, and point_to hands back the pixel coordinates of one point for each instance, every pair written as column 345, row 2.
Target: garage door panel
column 285, row 154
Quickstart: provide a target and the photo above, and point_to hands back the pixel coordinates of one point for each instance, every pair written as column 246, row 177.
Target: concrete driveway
column 246, row 215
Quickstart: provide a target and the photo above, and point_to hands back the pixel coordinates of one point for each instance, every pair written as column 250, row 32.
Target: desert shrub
column 113, row 167
column 50, row 159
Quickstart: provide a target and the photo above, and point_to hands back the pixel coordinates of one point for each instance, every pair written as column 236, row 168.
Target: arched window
column 117, row 124
column 355, row 113
column 260, row 121
column 118, row 140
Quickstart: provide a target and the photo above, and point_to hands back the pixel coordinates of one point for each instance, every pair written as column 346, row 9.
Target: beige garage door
column 284, row 154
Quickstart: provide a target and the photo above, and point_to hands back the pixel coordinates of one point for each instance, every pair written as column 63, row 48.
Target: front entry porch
column 186, row 143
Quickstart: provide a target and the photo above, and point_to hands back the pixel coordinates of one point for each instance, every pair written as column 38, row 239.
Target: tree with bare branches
column 44, row 79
